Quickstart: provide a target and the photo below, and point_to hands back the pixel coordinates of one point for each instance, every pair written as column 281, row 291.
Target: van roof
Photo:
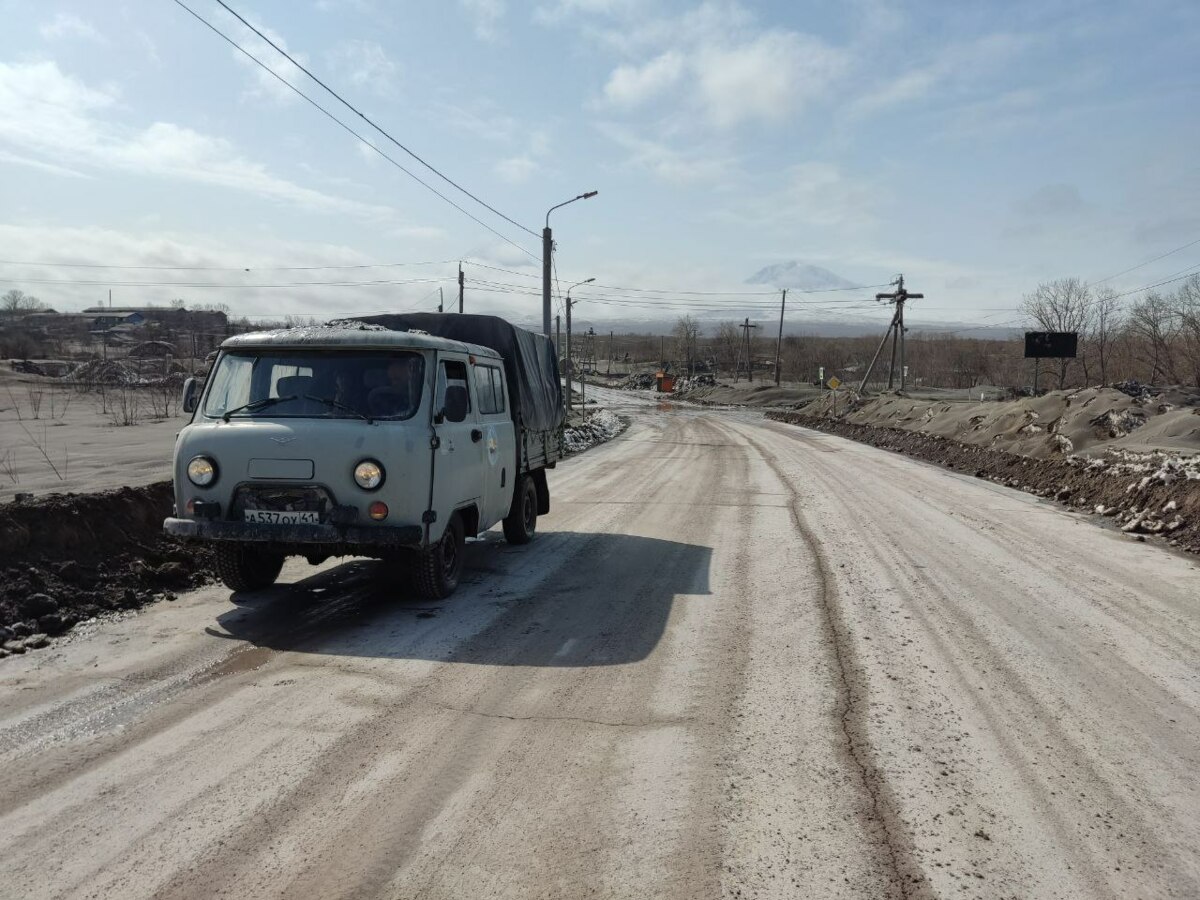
column 353, row 334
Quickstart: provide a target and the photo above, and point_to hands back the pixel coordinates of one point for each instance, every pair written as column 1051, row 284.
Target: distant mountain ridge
column 799, row 276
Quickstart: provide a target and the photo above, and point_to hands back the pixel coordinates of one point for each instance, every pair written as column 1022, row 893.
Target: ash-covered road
column 741, row 659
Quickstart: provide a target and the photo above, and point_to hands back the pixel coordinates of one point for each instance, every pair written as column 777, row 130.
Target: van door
column 460, row 463
column 499, row 447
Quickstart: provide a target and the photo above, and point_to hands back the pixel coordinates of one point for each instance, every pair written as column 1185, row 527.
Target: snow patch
column 596, row 428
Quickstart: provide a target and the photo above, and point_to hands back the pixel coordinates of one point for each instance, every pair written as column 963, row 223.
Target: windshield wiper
column 257, row 404
column 337, row 404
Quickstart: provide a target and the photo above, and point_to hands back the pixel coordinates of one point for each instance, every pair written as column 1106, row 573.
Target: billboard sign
column 1051, row 344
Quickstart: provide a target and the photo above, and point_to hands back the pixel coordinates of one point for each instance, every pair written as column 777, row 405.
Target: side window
column 489, row 390
column 457, row 401
column 498, row 389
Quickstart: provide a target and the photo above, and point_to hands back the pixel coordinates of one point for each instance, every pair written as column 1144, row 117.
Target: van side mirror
column 191, row 395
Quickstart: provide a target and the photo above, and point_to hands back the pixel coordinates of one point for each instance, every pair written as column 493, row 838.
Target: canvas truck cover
column 529, row 362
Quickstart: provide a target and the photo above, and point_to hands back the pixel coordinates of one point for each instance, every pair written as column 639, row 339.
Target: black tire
column 521, row 521
column 439, row 568
column 244, row 567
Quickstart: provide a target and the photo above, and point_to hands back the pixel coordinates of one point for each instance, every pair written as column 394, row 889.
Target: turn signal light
column 377, row 510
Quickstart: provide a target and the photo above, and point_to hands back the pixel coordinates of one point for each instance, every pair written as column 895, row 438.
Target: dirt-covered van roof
column 353, row 334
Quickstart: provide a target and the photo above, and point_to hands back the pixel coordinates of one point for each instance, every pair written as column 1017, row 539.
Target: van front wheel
column 246, row 568
column 439, row 568
column 521, row 521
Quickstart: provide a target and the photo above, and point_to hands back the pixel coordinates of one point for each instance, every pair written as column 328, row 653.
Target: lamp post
column 547, row 259
column 570, row 360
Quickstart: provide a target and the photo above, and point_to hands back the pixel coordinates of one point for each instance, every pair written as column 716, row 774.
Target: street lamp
column 547, row 259
column 570, row 360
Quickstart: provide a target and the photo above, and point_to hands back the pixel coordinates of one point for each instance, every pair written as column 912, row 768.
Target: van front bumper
column 217, row 530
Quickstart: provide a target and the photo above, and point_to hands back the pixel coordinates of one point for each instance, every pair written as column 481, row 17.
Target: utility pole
column 441, row 300
column 557, row 333
column 610, row 352
column 461, row 284
column 548, row 258
column 746, row 326
column 547, row 250
column 779, row 343
column 570, row 362
column 895, row 331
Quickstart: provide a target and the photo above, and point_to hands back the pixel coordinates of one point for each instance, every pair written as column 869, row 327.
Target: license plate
column 271, row 517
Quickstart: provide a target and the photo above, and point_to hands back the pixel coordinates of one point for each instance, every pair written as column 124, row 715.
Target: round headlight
column 202, row 471
column 368, row 474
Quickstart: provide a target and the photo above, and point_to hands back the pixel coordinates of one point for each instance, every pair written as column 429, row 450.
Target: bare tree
column 1154, row 321
column 1062, row 305
column 1187, row 309
column 18, row 303
column 1106, row 326
column 686, row 334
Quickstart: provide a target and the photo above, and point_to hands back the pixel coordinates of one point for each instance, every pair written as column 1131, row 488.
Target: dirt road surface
column 741, row 660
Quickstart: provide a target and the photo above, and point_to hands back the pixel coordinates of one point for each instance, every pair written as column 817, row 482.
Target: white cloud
column 365, row 64
column 667, row 164
column 52, row 120
column 66, row 25
column 811, row 195
column 516, row 169
column 633, row 85
column 767, row 78
column 485, row 16
column 264, row 84
column 951, row 71
column 718, row 63
column 152, row 245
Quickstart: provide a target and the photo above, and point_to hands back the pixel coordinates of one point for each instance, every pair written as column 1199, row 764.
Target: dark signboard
column 1051, row 344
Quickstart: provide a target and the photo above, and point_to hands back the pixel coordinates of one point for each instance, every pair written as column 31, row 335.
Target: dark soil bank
column 67, row 557
column 1153, row 503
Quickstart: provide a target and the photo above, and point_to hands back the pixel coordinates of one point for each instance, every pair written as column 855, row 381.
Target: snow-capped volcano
column 799, row 276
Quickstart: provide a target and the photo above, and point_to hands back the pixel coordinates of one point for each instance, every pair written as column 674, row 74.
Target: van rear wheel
column 245, row 567
column 521, row 521
column 439, row 568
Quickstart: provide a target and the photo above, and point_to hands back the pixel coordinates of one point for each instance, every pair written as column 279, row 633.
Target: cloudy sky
column 976, row 147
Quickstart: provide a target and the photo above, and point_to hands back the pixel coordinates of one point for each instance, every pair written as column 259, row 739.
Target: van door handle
column 476, row 435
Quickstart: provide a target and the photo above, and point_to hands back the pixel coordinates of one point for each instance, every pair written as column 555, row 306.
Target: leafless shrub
column 163, row 400
column 60, row 402
column 123, row 405
column 39, row 443
column 8, row 465
column 34, row 396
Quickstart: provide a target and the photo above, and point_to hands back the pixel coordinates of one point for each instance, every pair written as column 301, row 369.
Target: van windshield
column 270, row 384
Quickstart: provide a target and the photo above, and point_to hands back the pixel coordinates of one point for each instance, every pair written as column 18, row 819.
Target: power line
column 224, row 286
column 346, row 127
column 68, row 265
column 1146, row 263
column 613, row 287
column 364, row 117
column 1178, row 276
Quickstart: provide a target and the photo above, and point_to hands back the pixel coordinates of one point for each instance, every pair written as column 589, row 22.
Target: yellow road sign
column 834, row 383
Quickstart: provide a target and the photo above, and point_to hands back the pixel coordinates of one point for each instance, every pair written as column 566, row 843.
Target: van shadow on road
column 604, row 600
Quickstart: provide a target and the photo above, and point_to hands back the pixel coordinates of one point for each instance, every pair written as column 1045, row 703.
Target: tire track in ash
column 890, row 837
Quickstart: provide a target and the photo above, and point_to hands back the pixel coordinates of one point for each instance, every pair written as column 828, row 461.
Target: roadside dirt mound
column 1154, row 493
column 69, row 557
column 1060, row 423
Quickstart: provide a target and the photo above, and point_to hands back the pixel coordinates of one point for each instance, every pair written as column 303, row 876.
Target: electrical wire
column 67, row 265
column 1146, row 263
column 364, row 117
column 225, row 286
column 346, row 127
